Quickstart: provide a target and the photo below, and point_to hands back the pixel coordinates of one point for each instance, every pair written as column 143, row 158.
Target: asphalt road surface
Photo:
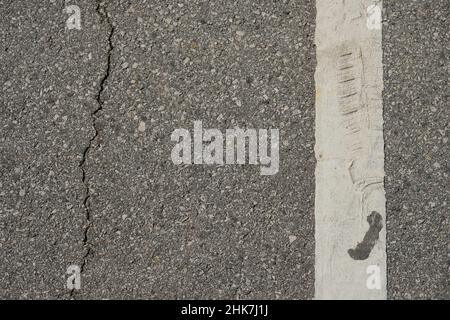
column 416, row 113
column 86, row 176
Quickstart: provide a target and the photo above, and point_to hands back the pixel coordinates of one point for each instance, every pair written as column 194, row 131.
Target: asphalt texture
column 87, row 136
column 416, row 113
column 86, row 176
column 49, row 80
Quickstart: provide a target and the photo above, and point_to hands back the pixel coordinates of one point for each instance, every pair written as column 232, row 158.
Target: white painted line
column 350, row 202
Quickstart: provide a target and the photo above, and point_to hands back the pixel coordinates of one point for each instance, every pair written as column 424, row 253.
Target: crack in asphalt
column 104, row 19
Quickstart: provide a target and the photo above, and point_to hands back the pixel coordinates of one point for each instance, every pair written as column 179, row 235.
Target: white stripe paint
column 349, row 150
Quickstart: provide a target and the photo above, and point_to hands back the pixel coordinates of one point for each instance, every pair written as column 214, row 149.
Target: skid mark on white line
column 350, row 203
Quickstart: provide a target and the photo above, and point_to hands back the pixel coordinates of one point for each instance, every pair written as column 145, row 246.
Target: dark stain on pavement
column 363, row 249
